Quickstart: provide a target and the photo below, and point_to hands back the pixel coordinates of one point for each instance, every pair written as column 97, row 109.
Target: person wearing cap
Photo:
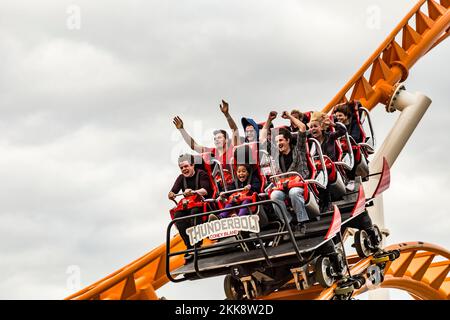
column 251, row 130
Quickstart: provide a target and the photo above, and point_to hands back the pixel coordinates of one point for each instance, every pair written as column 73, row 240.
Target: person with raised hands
column 291, row 158
column 223, row 147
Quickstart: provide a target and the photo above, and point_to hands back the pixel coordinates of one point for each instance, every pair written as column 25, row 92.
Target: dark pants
column 242, row 211
column 184, row 224
column 325, row 199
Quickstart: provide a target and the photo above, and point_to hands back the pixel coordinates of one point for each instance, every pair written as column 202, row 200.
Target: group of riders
column 267, row 152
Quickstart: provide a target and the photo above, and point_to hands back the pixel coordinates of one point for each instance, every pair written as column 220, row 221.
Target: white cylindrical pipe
column 412, row 108
column 376, row 213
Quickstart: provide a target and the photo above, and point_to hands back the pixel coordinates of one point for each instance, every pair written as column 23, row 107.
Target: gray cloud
column 86, row 136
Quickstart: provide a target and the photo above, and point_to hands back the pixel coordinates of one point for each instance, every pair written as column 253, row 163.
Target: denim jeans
column 297, row 200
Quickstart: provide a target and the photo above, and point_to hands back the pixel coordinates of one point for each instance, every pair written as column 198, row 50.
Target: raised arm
column 300, row 125
column 187, row 138
column 225, row 108
column 339, row 131
column 264, row 131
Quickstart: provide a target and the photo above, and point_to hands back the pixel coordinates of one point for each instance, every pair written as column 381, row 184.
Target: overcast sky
column 86, row 139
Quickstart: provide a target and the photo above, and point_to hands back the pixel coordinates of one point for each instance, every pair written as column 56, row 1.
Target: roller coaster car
column 335, row 171
column 314, row 257
column 247, row 154
column 366, row 143
column 188, row 203
column 268, row 263
column 365, row 127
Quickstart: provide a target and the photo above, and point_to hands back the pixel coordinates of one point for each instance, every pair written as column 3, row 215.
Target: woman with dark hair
column 343, row 113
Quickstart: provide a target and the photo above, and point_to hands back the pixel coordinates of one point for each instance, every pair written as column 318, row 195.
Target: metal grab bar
column 270, row 160
column 348, row 166
column 291, row 173
column 367, row 146
column 219, row 165
column 182, row 194
column 318, row 149
column 372, row 133
column 228, row 192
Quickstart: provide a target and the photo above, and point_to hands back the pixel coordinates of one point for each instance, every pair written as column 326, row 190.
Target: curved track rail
column 414, row 37
column 422, row 270
column 137, row 281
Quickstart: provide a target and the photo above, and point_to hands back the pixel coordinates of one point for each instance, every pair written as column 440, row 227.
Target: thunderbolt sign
column 223, row 228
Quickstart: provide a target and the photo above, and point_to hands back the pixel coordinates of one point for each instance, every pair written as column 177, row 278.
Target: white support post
column 412, row 108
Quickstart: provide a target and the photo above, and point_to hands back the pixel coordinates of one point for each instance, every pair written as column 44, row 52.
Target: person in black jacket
column 191, row 181
column 343, row 113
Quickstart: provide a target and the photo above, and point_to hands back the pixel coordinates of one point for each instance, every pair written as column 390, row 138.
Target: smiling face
column 283, row 144
column 242, row 173
column 186, row 168
column 250, row 133
column 341, row 117
column 316, row 130
column 220, row 140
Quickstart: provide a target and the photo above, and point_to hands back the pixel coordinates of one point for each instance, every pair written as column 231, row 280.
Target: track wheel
column 344, row 292
column 324, row 272
column 378, row 236
column 386, row 256
column 358, row 281
column 361, row 240
column 250, row 288
column 394, row 255
column 233, row 288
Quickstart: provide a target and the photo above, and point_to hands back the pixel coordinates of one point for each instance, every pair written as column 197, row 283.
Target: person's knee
column 296, row 192
column 277, row 195
column 178, row 214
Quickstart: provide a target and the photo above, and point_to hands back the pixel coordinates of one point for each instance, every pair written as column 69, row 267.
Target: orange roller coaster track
column 422, row 269
column 138, row 280
column 390, row 63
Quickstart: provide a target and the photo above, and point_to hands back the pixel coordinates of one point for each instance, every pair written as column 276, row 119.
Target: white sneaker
column 350, row 185
column 212, row 217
